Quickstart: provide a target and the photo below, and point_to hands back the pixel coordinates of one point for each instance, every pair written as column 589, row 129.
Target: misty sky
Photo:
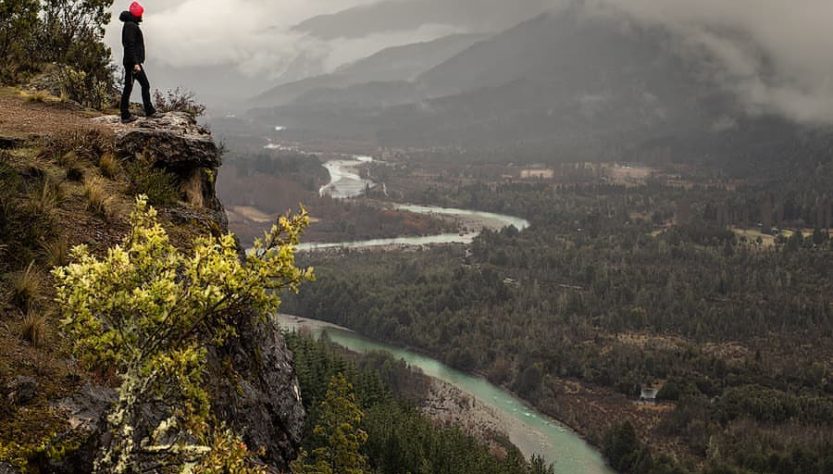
column 777, row 55
column 251, row 41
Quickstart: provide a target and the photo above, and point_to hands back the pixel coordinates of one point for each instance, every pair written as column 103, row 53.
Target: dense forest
column 373, row 400
column 605, row 291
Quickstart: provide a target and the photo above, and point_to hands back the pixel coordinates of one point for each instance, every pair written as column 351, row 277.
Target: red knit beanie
column 137, row 10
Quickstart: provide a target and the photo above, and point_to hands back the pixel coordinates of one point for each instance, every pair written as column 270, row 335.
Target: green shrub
column 624, row 451
column 676, row 388
column 180, row 306
column 768, row 405
column 178, row 100
column 67, row 33
column 71, row 35
column 158, row 185
column 85, row 88
column 18, row 26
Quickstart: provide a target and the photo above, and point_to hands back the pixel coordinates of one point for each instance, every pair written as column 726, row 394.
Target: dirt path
column 21, row 118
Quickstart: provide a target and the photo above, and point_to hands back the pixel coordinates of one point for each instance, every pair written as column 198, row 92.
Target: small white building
column 537, row 173
column 648, row 394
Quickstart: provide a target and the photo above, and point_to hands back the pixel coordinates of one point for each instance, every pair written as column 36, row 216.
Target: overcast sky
column 252, row 39
column 777, row 55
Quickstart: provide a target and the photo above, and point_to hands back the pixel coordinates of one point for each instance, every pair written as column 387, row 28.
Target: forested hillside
column 377, row 397
column 736, row 330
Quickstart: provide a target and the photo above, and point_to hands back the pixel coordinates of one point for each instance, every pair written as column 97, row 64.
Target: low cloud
column 773, row 54
column 255, row 36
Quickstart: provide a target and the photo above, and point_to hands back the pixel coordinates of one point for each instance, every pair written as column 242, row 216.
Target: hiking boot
column 153, row 115
column 130, row 119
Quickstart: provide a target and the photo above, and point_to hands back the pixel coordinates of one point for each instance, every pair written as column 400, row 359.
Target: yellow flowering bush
column 150, row 312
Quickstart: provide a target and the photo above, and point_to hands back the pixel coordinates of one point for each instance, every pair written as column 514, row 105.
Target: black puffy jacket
column 132, row 40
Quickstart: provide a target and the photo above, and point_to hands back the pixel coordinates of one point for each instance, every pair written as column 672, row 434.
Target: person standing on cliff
column 133, row 42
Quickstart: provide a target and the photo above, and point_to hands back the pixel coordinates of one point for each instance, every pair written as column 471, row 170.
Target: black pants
column 129, row 77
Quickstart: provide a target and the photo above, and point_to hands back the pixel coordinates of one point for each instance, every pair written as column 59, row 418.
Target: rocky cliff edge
column 46, row 400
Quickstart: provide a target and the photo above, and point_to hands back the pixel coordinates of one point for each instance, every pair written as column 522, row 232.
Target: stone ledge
column 174, row 140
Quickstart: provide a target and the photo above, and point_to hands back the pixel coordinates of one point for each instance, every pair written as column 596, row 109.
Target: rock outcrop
column 252, row 378
column 265, row 402
column 174, row 141
column 22, row 390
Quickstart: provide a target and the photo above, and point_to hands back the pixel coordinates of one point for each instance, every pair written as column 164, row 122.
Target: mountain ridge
column 386, row 16
column 575, row 81
column 399, row 63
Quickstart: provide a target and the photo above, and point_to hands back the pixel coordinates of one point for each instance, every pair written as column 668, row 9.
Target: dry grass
column 109, row 165
column 34, row 329
column 26, row 287
column 67, row 159
column 37, row 96
column 57, row 252
column 86, row 144
column 98, row 198
column 45, row 200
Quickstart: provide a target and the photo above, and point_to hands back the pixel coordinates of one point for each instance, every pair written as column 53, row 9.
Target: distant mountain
column 567, row 78
column 304, row 65
column 402, row 63
column 366, row 95
column 576, row 51
column 406, row 63
column 399, row 15
column 567, row 82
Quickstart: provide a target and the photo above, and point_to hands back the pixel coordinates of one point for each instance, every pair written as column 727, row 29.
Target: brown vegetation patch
column 592, row 411
column 728, row 351
column 643, row 341
column 22, row 118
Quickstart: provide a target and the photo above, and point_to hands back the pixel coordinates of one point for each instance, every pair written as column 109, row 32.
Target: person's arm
column 130, row 41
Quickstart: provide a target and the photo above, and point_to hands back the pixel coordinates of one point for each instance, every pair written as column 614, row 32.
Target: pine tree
column 537, row 465
column 339, row 430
